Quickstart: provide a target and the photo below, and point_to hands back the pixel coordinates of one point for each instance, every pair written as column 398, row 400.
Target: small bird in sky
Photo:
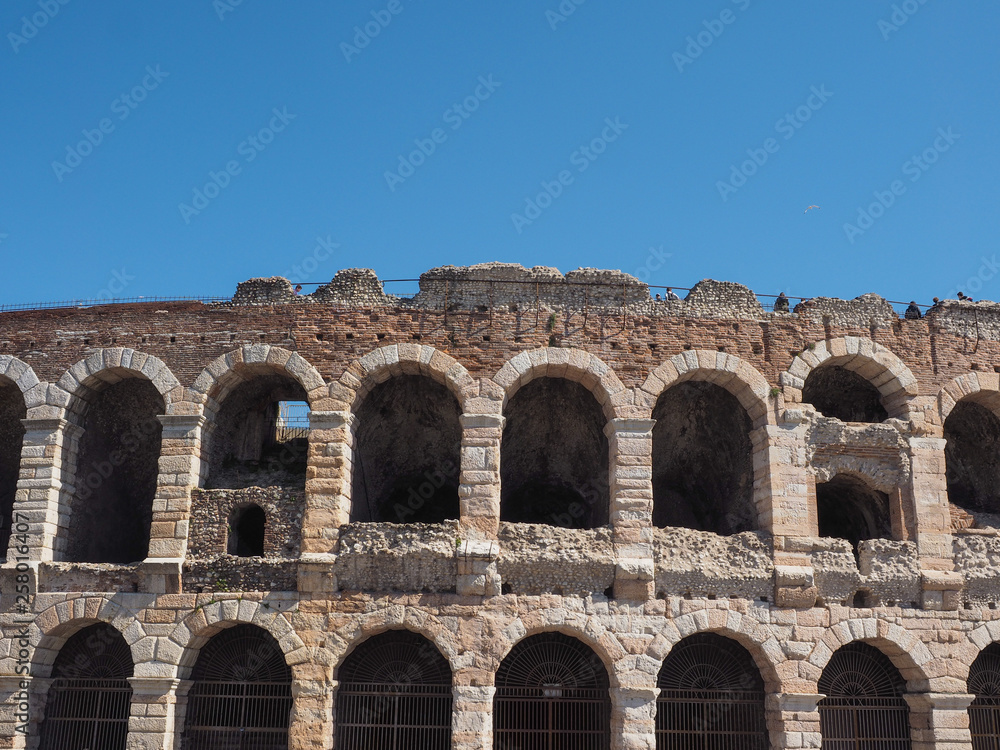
column 809, row 209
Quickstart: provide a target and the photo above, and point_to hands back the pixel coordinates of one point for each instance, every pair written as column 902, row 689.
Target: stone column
column 940, row 721
column 472, row 717
column 18, row 706
column 630, row 442
column 180, row 467
column 479, row 482
column 793, row 720
column 633, row 718
column 784, row 494
column 328, row 480
column 152, row 715
column 927, row 495
column 310, row 725
column 48, row 455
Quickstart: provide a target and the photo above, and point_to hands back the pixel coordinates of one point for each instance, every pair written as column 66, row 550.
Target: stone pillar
column 630, row 442
column 48, row 454
column 310, row 725
column 328, row 480
column 152, row 716
column 793, row 720
column 18, row 706
column 633, row 718
column 479, row 482
column 928, row 499
column 180, row 467
column 784, row 494
column 940, row 721
column 472, row 717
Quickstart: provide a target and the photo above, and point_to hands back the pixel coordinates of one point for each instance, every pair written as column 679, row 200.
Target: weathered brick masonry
column 916, row 577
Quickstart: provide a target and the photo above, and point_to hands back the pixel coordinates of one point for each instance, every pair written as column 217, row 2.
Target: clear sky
column 177, row 148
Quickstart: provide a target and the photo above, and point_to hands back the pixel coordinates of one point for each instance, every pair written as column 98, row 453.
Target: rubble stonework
column 477, row 584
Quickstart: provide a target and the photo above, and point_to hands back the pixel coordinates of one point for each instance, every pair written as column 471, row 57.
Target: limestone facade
column 925, row 595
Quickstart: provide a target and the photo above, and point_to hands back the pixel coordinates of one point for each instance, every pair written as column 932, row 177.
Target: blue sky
column 728, row 119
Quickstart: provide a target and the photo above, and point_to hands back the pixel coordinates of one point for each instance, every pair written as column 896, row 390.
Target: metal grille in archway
column 242, row 694
column 88, row 702
column 711, row 697
column 864, row 707
column 984, row 713
column 552, row 693
column 394, row 694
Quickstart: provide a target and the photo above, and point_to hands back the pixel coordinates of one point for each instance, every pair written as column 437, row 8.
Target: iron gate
column 711, row 697
column 242, row 694
column 984, row 713
column 84, row 714
column 394, row 694
column 864, row 708
column 552, row 693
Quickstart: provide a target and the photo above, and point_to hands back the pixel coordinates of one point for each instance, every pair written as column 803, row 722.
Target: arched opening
column 554, row 456
column 702, row 460
column 246, row 531
column 116, row 473
column 241, row 693
column 972, row 433
column 711, row 697
column 843, row 394
column 394, row 694
column 552, row 691
column 847, row 508
column 407, row 453
column 864, row 708
column 251, row 444
column 12, row 411
column 984, row 713
column 88, row 702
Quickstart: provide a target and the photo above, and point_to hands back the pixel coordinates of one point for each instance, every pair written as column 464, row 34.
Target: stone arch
column 978, row 639
column 759, row 642
column 981, row 388
column 381, row 364
column 56, row 624
column 20, row 374
column 17, row 380
column 222, row 375
column 573, row 364
column 348, row 637
column 616, row 660
column 182, row 646
column 895, row 382
column 906, row 652
column 737, row 376
column 107, row 367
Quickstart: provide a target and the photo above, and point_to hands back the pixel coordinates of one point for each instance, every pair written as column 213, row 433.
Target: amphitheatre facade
column 528, row 511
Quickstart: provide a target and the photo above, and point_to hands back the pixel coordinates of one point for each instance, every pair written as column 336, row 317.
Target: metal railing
column 238, row 716
column 86, row 714
column 393, row 716
column 984, row 723
column 862, row 723
column 85, row 303
column 551, row 719
column 710, row 720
